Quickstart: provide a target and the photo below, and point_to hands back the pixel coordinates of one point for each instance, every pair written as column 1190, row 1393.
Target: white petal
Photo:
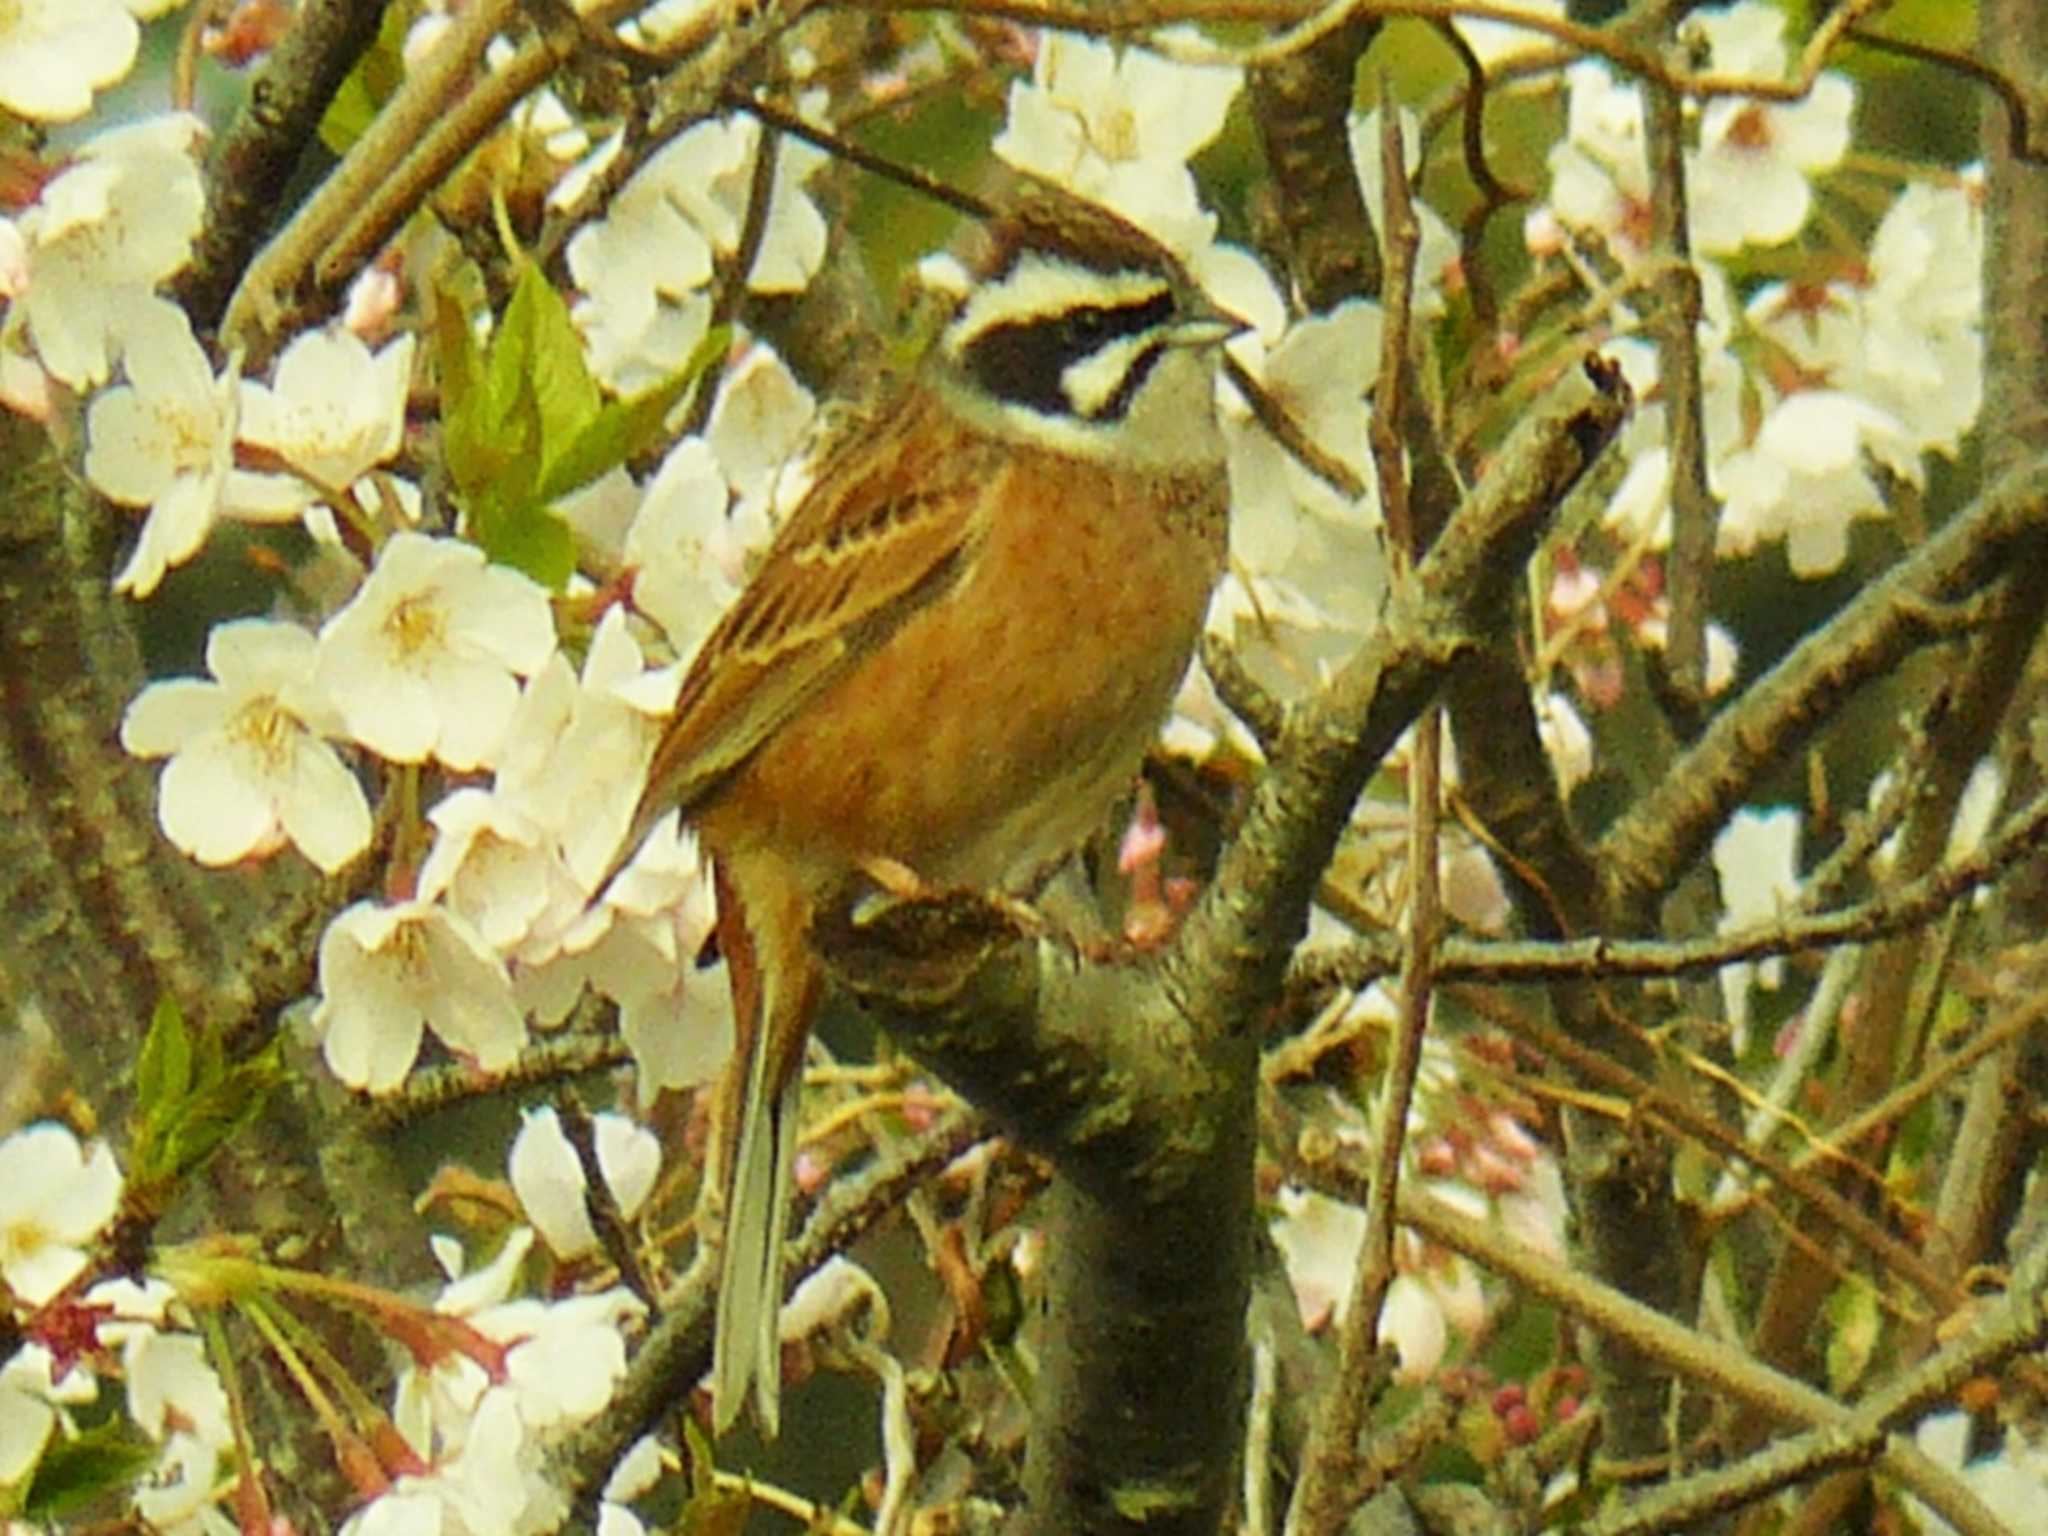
column 323, row 809
column 165, row 716
column 209, row 805
column 547, row 1177
column 630, row 1156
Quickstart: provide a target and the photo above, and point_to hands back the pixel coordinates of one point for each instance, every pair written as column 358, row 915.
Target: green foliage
column 188, row 1100
column 524, row 423
column 79, row 1469
column 1525, row 1341
column 370, row 84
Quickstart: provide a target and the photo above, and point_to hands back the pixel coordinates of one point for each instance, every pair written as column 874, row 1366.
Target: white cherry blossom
column 54, row 54
column 638, row 947
column 248, row 768
column 184, row 1492
column 164, row 440
column 586, row 788
column 1308, row 568
column 1756, row 859
column 422, row 661
column 172, row 1387
column 1599, row 173
column 1908, row 340
column 485, row 1441
column 31, row 1398
column 1805, row 478
column 762, row 419
column 103, row 234
column 1115, row 125
column 1749, row 181
column 643, row 267
column 500, row 869
column 687, row 556
column 333, row 411
column 389, row 973
column 55, row 1196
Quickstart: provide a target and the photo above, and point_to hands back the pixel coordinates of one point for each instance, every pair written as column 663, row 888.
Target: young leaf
column 163, row 1073
column 78, row 1470
column 623, row 429
column 541, row 343
column 377, row 74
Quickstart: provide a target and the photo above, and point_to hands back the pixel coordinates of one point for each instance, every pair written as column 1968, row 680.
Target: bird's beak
column 1207, row 329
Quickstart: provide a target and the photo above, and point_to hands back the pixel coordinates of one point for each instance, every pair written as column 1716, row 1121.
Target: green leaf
column 469, row 448
column 540, row 350
column 376, row 76
column 163, row 1073
column 74, row 1472
column 703, row 1459
column 530, row 539
column 225, row 1108
column 623, row 429
column 1524, row 1341
column 189, row 1100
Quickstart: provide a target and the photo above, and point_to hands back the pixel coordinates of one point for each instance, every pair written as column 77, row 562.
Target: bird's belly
column 990, row 734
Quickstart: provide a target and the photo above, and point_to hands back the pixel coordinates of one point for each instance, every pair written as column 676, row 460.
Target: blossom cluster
column 1476, row 1157
column 473, row 1411
column 1814, row 391
column 479, row 1428
column 80, row 1335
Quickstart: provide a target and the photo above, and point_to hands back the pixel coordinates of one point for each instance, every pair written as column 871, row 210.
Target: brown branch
column 1599, row 957
column 248, row 172
column 1300, row 104
column 1695, row 511
column 1647, row 849
column 2013, row 100
column 1325, row 1496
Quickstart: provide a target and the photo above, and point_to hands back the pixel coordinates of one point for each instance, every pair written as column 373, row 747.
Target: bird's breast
column 992, row 730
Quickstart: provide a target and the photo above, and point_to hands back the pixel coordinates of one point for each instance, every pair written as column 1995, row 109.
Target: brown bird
column 949, row 662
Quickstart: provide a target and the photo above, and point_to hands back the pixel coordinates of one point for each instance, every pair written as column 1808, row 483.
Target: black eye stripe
column 1021, row 361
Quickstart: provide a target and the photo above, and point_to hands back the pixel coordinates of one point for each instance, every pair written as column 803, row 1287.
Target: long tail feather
column 749, row 1346
column 775, row 990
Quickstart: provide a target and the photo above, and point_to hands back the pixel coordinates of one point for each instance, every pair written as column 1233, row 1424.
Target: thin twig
column 1401, row 233
column 1599, row 958
column 1321, row 1501
column 1695, row 514
column 1845, row 1434
column 600, row 1204
column 2019, row 117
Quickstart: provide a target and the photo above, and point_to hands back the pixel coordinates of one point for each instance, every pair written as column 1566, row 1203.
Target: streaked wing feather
column 860, row 555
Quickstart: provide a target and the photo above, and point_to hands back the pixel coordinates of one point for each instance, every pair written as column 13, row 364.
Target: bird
column 948, row 663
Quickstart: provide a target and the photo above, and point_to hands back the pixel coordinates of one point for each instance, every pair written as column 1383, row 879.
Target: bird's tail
column 775, row 988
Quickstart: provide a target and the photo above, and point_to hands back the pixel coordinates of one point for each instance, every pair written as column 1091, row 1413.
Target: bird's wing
column 891, row 522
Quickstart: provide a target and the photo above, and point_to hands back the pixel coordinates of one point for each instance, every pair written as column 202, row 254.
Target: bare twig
column 1596, row 957
column 1844, row 1435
